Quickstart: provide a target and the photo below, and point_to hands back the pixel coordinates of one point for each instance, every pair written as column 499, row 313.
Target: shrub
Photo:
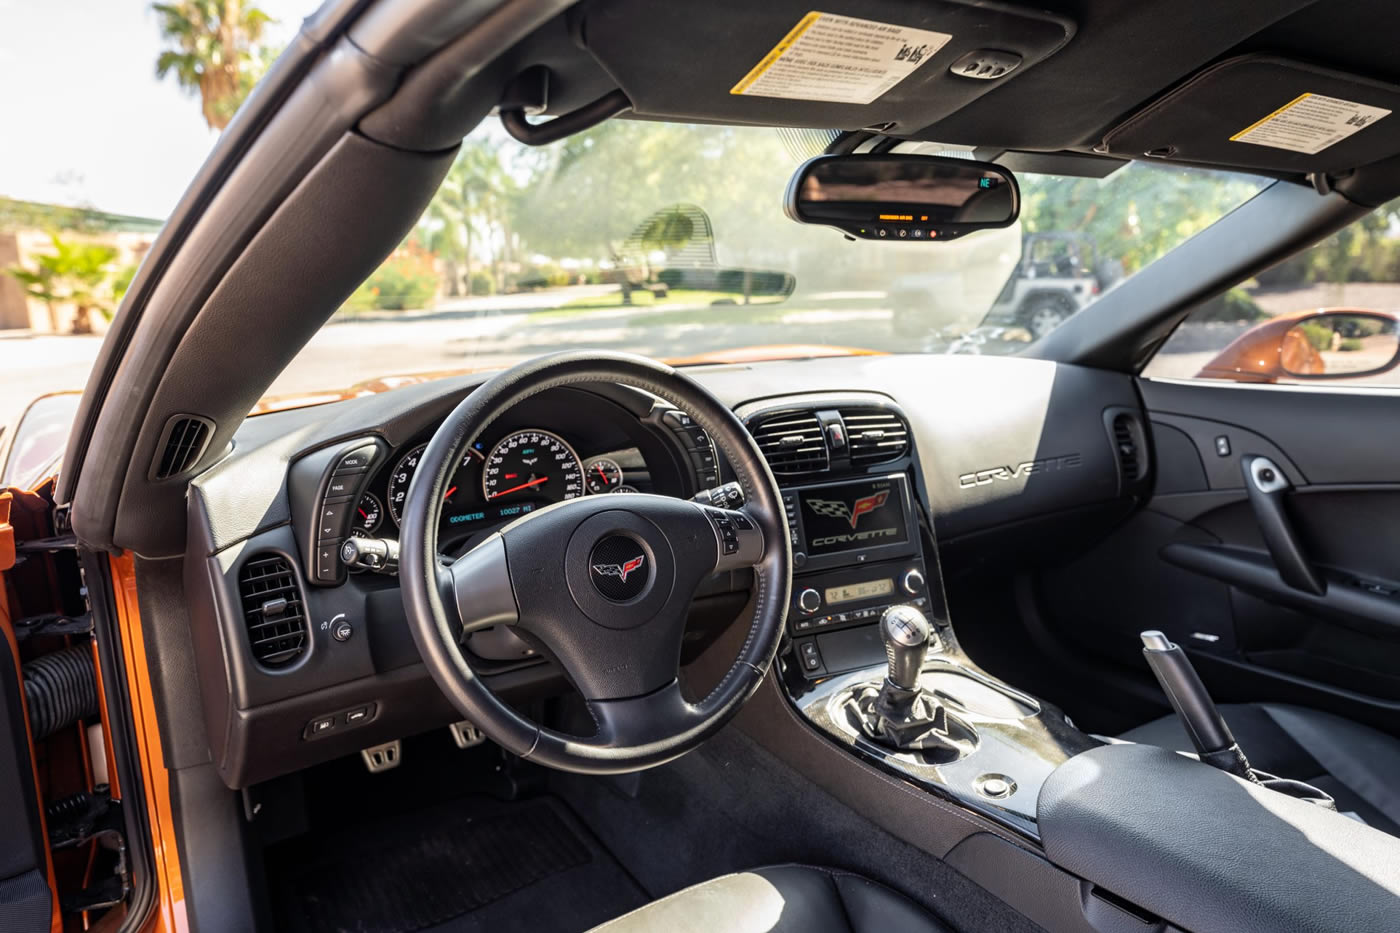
column 483, row 283
column 1319, row 335
column 1350, row 345
column 1234, row 305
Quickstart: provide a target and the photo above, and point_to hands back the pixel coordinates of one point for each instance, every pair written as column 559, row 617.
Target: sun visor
column 1268, row 113
column 853, row 64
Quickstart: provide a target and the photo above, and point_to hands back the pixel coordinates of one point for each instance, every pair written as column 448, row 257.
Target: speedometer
column 532, row 465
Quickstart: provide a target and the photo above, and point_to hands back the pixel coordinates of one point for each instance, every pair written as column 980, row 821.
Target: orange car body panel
column 169, row 915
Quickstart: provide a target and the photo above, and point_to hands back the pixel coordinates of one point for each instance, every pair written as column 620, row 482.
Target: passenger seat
column 1357, row 765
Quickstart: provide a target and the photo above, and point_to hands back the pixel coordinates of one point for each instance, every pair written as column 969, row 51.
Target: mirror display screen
column 851, row 516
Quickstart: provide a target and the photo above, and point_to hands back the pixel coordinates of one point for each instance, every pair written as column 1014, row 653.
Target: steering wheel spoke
column 644, row 720
column 481, row 588
column 738, row 539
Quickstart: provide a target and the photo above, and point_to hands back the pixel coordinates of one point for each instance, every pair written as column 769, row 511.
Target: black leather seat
column 781, row 899
column 1356, row 764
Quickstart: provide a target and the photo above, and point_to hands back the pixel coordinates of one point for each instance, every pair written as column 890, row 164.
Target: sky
column 85, row 121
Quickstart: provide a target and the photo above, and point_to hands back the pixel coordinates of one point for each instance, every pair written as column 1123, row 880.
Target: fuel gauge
column 602, row 475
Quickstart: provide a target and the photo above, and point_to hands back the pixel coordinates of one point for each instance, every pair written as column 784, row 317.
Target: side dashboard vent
column 875, row 434
column 1128, row 446
column 272, row 610
column 792, row 442
column 182, row 443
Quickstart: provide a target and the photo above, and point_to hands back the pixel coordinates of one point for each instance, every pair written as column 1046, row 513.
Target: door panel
column 1196, row 564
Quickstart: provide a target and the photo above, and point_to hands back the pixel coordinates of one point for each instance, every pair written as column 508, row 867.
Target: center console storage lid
column 1208, row 851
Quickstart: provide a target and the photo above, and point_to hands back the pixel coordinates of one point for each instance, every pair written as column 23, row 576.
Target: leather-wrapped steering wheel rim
column 544, row 574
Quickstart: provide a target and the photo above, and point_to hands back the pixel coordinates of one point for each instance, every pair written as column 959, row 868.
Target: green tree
column 587, row 194
column 475, row 198
column 1135, row 214
column 215, row 51
column 76, row 273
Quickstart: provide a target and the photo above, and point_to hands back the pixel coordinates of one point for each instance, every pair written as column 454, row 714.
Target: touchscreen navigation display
column 851, row 516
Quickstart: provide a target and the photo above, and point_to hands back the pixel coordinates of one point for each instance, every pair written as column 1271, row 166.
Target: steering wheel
column 603, row 582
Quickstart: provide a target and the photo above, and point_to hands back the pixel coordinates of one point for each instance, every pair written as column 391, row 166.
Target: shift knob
column 905, row 631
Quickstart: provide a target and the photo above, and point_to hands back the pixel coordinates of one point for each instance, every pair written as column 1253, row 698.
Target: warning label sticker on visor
column 1310, row 123
column 840, row 59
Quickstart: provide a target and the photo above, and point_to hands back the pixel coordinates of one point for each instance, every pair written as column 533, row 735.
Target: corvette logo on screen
column 837, row 508
column 619, row 570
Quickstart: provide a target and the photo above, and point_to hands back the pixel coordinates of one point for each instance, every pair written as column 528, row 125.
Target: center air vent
column 875, row 434
column 272, row 610
column 792, row 442
column 1127, row 444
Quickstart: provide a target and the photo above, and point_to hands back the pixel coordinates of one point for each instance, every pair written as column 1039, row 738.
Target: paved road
column 34, row 366
column 494, row 331
column 346, row 351
column 466, row 333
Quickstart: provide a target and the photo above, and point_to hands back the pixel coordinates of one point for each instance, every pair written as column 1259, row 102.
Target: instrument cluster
column 497, row 481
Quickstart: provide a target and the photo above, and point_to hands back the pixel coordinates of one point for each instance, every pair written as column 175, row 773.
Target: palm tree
column 74, row 273
column 473, row 198
column 215, row 51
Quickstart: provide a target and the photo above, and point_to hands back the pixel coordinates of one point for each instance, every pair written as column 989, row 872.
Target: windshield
column 670, row 240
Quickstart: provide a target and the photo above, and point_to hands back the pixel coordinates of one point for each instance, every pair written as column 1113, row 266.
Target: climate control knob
column 809, row 601
column 913, row 582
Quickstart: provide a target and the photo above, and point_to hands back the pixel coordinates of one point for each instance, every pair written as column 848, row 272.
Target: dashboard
column 300, row 660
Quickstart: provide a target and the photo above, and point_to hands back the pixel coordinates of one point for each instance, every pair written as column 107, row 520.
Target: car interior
column 909, row 641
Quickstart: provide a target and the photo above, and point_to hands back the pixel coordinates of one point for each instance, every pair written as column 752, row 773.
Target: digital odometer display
column 531, row 466
column 853, row 591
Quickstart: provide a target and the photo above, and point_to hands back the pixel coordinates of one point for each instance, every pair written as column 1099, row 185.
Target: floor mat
column 470, row 864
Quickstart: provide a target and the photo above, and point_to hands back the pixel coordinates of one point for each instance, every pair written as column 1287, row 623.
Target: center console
column 866, row 575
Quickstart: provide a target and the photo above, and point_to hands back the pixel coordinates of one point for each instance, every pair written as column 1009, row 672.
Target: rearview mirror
column 903, row 197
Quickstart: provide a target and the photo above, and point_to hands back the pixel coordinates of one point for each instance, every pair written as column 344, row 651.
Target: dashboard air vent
column 875, row 434
column 181, row 445
column 1128, row 447
column 792, row 442
column 272, row 610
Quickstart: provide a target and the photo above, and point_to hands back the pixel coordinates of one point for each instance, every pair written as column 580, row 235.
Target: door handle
column 1267, row 486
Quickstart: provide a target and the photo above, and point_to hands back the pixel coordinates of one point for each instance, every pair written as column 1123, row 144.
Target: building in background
column 27, row 229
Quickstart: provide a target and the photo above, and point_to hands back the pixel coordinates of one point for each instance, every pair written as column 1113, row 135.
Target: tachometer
column 532, row 465
column 399, row 480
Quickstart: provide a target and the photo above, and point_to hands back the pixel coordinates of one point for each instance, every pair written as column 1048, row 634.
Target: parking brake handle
column 1214, row 742
column 1267, row 486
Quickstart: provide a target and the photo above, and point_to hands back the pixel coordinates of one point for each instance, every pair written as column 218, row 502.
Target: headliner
column 1090, row 65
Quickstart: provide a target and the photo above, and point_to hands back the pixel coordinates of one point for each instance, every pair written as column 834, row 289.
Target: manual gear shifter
column 905, row 631
column 897, row 713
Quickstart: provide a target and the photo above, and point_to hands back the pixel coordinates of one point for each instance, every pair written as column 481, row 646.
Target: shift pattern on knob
column 905, row 631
